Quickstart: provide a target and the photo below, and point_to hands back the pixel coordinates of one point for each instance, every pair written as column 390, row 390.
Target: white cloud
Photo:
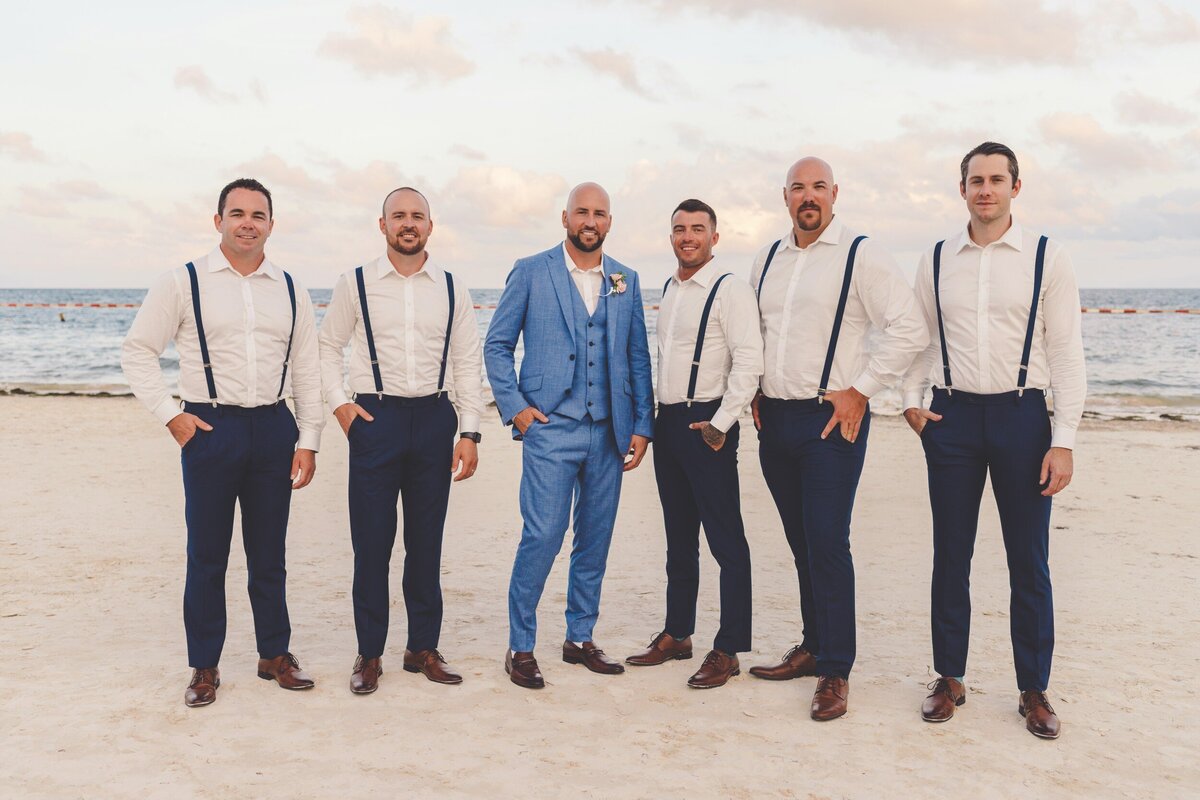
column 618, row 65
column 20, row 146
column 1136, row 108
column 1086, row 144
column 194, row 78
column 387, row 41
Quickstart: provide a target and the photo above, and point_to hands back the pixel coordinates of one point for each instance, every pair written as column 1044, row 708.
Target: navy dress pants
column 1007, row 435
column 698, row 486
column 813, row 481
column 245, row 459
column 405, row 453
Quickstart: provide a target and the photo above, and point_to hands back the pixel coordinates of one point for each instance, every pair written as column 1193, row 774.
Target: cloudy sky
column 119, row 123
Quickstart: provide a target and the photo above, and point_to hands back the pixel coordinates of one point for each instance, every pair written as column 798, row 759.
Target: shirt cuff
column 309, row 440
column 167, row 410
column 1063, row 437
column 913, row 398
column 722, row 420
column 867, row 385
column 468, row 423
column 336, row 398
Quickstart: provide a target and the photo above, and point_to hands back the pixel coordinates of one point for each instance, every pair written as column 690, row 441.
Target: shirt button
column 591, row 344
column 589, row 325
column 571, row 357
column 591, row 363
column 589, row 384
column 589, row 402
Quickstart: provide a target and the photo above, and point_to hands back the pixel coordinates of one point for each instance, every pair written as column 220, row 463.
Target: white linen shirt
column 247, row 321
column 588, row 282
column 408, row 322
column 731, row 361
column 986, row 294
column 798, row 304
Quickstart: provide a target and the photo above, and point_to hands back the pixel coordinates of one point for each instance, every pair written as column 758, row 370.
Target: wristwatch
column 472, row 435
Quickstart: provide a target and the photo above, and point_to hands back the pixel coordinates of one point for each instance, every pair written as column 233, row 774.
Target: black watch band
column 472, row 435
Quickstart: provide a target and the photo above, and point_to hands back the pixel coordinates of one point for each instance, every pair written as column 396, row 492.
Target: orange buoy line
column 653, row 306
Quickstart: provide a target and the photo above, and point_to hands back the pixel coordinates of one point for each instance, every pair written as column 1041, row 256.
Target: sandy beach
column 93, row 662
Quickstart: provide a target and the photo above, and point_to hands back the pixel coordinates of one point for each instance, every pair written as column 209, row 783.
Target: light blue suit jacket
column 536, row 304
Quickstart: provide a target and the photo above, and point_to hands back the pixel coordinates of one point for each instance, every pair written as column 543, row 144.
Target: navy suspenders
column 366, row 315
column 208, row 371
column 762, row 276
column 1039, row 268
column 708, row 304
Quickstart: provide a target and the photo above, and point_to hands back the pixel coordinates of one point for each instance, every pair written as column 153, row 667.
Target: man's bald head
column 809, row 194
column 590, row 194
column 403, row 190
column 587, row 217
column 808, row 169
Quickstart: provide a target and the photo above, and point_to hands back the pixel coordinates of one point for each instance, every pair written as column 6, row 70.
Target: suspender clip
column 374, row 362
column 689, row 402
column 821, row 395
column 695, row 363
column 214, row 403
column 1021, row 392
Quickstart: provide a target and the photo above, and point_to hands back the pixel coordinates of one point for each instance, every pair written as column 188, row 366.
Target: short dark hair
column 992, row 149
column 244, row 183
column 383, row 208
column 693, row 205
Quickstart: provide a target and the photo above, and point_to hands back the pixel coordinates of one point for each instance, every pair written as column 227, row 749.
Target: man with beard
column 1002, row 308
column 709, row 363
column 582, row 401
column 239, row 322
column 820, row 288
column 415, row 339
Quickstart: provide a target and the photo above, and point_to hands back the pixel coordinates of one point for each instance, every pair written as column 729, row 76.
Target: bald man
column 821, row 287
column 414, row 346
column 581, row 404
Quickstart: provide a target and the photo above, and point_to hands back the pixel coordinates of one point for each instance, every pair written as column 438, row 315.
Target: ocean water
column 1139, row 365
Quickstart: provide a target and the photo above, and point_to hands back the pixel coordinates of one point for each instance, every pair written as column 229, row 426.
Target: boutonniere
column 618, row 283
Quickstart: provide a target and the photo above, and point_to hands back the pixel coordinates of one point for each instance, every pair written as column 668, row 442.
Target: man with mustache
column 709, row 363
column 246, row 340
column 415, row 342
column 820, row 288
column 582, row 402
column 1002, row 308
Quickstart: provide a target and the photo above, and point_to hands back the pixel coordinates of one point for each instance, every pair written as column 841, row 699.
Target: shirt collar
column 703, row 276
column 432, row 271
column 1014, row 237
column 571, row 266
column 217, row 262
column 831, row 235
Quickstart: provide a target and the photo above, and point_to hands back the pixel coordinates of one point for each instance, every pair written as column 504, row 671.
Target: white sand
column 93, row 661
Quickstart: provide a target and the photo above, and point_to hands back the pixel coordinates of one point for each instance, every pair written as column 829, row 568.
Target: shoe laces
column 827, row 683
column 795, row 649
column 291, row 659
column 942, row 685
column 1033, row 699
column 438, row 655
column 712, row 658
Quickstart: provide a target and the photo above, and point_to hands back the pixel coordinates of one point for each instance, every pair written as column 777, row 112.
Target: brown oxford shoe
column 829, row 701
column 522, row 669
column 717, row 669
column 365, row 678
column 1040, row 719
column 284, row 670
column 203, row 688
column 947, row 694
column 664, row 648
column 591, row 657
column 797, row 663
column 431, row 663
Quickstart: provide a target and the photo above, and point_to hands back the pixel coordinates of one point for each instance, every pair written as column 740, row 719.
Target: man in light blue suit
column 582, row 403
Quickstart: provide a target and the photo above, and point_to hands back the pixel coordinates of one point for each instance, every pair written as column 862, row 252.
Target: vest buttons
column 590, row 363
column 568, row 392
column 590, row 325
column 571, row 357
column 589, row 402
column 591, row 344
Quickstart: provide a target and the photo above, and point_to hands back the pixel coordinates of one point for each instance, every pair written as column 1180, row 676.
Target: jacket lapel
column 562, row 284
column 614, row 308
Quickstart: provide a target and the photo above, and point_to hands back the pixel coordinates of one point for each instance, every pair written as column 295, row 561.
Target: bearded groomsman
column 415, row 341
column 820, row 288
column 239, row 322
column 1002, row 308
column 709, row 363
column 582, row 402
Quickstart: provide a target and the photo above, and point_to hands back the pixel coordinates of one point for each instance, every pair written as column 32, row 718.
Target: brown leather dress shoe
column 365, row 678
column 522, row 669
column 797, row 663
column 1040, row 719
column 947, row 695
column 591, row 657
column 829, row 701
column 203, row 688
column 432, row 664
column 717, row 669
column 664, row 648
column 284, row 670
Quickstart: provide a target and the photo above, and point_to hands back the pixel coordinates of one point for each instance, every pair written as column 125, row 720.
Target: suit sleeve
column 639, row 367
column 501, row 344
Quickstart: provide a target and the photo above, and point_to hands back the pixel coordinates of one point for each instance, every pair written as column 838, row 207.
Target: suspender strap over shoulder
column 708, row 304
column 449, row 328
column 287, row 359
column 362, row 303
column 837, row 319
column 937, row 301
column 1039, row 268
column 208, row 372
column 762, row 276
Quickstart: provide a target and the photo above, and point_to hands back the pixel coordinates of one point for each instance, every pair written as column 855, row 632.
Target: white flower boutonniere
column 618, row 283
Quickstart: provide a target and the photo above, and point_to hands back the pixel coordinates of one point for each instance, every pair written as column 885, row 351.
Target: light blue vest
column 590, row 392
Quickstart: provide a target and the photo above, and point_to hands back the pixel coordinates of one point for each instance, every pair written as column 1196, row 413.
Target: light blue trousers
column 564, row 460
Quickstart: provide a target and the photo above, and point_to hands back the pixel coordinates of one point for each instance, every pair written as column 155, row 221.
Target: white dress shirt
column 408, row 322
column 986, row 293
column 589, row 282
column 798, row 304
column 732, row 359
column 247, row 320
